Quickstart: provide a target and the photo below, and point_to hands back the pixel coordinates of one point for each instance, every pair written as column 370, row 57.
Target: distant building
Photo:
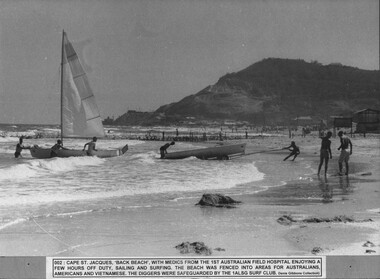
column 367, row 120
column 367, row 116
column 108, row 121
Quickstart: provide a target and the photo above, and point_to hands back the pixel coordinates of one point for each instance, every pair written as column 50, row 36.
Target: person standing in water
column 325, row 152
column 20, row 147
column 163, row 149
column 91, row 146
column 344, row 154
column 294, row 150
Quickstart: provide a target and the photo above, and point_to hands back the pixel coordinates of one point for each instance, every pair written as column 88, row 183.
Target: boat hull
column 45, row 153
column 223, row 152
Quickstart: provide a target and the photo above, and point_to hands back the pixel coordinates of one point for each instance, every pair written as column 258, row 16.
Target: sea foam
column 31, row 168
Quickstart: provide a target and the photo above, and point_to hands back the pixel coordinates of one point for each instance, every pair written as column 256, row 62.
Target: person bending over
column 294, row 150
column 55, row 148
column 163, row 149
column 19, row 147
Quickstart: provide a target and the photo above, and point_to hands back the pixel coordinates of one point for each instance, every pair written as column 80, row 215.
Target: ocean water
column 32, row 188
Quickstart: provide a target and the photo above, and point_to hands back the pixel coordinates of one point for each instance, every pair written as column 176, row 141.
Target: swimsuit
column 344, row 156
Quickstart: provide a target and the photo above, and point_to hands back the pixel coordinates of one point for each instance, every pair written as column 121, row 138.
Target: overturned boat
column 222, row 152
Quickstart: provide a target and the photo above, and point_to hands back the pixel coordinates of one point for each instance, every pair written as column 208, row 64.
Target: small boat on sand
column 222, row 152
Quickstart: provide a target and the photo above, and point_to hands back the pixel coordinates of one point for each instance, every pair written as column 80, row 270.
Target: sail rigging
column 80, row 117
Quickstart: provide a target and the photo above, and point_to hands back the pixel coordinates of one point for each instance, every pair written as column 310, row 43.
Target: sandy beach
column 355, row 196
column 252, row 228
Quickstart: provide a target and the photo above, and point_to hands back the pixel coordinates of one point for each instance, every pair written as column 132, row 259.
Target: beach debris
column 217, row 200
column 368, row 244
column 194, row 247
column 368, row 251
column 316, row 250
column 219, row 249
column 288, row 220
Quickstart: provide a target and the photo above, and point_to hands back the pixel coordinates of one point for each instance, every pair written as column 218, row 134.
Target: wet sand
column 249, row 229
column 355, row 196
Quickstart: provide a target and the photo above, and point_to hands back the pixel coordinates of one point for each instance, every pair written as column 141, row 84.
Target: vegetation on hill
column 274, row 91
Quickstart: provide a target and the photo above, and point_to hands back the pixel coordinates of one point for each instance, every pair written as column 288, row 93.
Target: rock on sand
column 217, row 200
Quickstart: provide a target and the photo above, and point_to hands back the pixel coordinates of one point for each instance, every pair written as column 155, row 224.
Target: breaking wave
column 32, row 168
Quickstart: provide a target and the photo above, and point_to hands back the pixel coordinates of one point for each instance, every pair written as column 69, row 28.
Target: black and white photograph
column 202, row 129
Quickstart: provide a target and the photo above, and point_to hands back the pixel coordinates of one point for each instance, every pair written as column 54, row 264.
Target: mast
column 80, row 117
column 62, row 55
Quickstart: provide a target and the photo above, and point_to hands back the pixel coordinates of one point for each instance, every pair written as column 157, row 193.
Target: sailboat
column 80, row 117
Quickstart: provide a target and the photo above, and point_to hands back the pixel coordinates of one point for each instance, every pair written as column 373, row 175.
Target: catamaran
column 80, row 117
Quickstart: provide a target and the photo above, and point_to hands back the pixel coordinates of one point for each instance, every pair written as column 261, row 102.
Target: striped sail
column 80, row 115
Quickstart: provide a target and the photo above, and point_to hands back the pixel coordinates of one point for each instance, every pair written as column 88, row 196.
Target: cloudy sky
column 141, row 54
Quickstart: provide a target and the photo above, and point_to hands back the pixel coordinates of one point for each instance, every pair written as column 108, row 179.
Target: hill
column 273, row 91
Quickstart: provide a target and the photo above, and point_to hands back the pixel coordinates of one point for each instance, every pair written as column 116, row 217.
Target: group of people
column 325, row 152
column 54, row 149
column 325, row 155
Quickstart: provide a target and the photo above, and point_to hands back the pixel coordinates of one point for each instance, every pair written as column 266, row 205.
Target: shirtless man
column 325, row 152
column 163, row 149
column 20, row 147
column 56, row 147
column 91, row 146
column 344, row 154
column 294, row 150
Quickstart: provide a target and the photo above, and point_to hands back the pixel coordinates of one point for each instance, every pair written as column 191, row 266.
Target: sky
column 142, row 54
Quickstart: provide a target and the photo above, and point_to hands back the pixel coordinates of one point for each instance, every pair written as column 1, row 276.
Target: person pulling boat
column 163, row 149
column 294, row 150
column 20, row 147
column 56, row 147
column 91, row 146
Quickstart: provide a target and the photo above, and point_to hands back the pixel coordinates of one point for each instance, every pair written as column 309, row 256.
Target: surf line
column 52, row 236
